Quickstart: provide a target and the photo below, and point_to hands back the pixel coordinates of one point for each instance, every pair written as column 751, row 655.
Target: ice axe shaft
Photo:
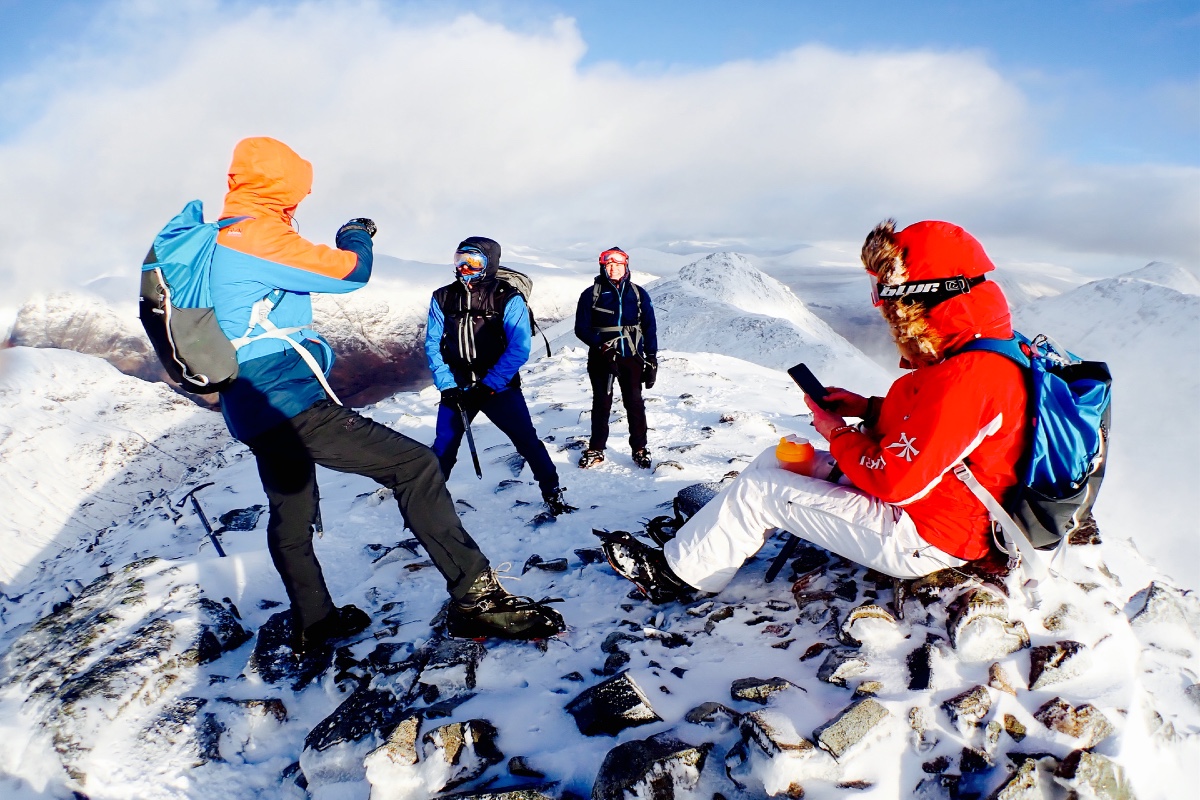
column 785, row 553
column 471, row 443
column 203, row 519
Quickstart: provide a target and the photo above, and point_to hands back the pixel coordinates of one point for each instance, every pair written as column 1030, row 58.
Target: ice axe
column 200, row 513
column 471, row 442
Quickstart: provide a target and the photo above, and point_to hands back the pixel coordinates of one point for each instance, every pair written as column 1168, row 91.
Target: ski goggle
column 614, row 257
column 928, row 293
column 469, row 262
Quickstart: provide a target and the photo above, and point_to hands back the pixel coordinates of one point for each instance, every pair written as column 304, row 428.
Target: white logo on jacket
column 873, row 463
column 905, row 448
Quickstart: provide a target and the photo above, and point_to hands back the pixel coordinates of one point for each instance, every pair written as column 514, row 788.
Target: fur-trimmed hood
column 925, row 251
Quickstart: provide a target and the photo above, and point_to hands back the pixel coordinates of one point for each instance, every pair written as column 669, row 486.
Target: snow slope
column 139, row 742
column 82, row 445
column 1146, row 326
column 98, row 691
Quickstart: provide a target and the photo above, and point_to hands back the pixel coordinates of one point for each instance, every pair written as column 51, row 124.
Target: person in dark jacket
column 615, row 319
column 281, row 406
column 476, row 341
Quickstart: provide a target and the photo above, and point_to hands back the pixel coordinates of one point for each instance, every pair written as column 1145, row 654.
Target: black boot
column 557, row 502
column 341, row 623
column 591, row 458
column 488, row 610
column 642, row 458
column 646, row 567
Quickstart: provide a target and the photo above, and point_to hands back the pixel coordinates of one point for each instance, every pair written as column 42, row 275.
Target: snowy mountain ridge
column 136, row 663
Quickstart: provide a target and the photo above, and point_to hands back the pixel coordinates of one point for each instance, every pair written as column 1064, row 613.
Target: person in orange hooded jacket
column 281, row 406
column 897, row 508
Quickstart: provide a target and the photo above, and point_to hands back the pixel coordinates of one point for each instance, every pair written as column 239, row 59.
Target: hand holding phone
column 809, row 384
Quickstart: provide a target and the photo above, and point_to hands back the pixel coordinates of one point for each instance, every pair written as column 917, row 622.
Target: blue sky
column 1112, row 81
column 1062, row 134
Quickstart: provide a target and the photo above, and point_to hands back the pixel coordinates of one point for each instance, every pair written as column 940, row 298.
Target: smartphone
column 809, row 384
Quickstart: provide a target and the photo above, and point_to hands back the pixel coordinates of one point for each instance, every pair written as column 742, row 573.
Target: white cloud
column 441, row 129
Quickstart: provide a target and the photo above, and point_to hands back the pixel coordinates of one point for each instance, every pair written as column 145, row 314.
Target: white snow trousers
column 712, row 545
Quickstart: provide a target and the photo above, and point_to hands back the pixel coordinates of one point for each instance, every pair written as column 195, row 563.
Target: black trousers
column 603, row 367
column 343, row 440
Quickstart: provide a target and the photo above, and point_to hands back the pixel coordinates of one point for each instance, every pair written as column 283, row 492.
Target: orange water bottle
column 795, row 454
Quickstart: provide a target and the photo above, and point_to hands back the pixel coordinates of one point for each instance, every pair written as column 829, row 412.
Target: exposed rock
column 980, row 629
column 936, row 766
column 974, row 760
column 998, row 679
column 1032, row 781
column 815, row 650
column 264, row 707
column 758, row 690
column 612, row 706
column 868, row 689
column 968, row 709
column 712, row 714
column 82, row 666
column 919, row 721
column 863, row 619
column 850, row 727
column 189, row 733
column 1094, row 776
column 1087, row 533
column 920, row 667
column 469, row 746
column 1062, row 618
column 448, row 756
column 451, row 664
column 841, row 665
column 275, row 661
column 774, row 733
column 1084, row 722
column 657, row 768
column 519, row 766
column 219, row 632
column 991, row 736
column 552, row 565
column 1014, row 728
column 536, row 791
column 1164, row 605
column 1054, row 663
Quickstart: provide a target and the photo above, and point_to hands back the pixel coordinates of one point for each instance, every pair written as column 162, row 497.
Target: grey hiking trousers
column 344, row 440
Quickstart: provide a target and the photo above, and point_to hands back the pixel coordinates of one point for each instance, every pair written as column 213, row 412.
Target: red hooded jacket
column 967, row 406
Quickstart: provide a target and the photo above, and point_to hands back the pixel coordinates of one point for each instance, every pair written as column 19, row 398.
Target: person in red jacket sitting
column 897, row 507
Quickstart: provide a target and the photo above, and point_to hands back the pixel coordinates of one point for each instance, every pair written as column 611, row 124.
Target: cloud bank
column 440, row 129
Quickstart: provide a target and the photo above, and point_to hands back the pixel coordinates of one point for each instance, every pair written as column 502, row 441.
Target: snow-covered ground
column 102, row 696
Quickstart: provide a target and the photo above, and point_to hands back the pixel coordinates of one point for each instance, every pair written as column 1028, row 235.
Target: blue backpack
column 176, row 303
column 1065, row 457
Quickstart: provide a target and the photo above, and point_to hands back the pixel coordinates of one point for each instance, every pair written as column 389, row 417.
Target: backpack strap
column 630, row 333
column 1018, row 547
column 259, row 317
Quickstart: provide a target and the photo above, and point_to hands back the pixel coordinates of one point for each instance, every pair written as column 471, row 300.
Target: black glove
column 359, row 224
column 477, row 394
column 650, row 370
column 452, row 398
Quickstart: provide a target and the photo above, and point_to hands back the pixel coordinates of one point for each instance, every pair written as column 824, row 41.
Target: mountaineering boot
column 642, row 458
column 556, row 501
column 646, row 567
column 488, row 610
column 591, row 458
column 340, row 623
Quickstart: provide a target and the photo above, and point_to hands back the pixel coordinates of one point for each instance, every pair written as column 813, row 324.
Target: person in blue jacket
column 615, row 319
column 477, row 339
column 263, row 273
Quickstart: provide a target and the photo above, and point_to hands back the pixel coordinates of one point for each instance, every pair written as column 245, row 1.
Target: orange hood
column 266, row 177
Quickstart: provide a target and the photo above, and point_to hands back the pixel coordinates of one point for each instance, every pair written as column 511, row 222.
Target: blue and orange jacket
column 262, row 255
